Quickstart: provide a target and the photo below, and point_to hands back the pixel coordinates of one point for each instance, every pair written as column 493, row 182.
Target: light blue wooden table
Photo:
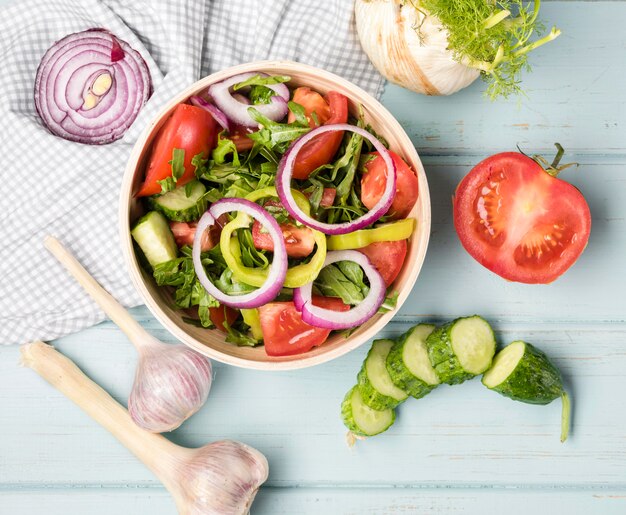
column 459, row 450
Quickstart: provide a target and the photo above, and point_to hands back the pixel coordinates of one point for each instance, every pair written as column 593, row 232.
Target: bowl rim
column 300, row 360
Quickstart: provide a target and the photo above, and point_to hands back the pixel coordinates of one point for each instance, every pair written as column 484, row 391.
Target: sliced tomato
column 189, row 128
column 239, row 135
column 284, row 332
column 321, row 149
column 312, row 102
column 328, row 197
column 218, row 315
column 185, row 232
column 520, row 222
column 299, row 241
column 375, row 178
column 387, row 257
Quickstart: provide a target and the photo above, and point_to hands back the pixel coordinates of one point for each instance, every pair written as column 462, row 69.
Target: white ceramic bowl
column 212, row 342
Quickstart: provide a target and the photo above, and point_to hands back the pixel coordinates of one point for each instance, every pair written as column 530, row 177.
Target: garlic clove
column 409, row 47
column 172, row 382
column 221, row 478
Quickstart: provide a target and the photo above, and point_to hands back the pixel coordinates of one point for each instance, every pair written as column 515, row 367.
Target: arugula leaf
column 300, row 113
column 342, row 280
column 228, row 284
column 259, row 80
column 167, row 184
column 177, row 164
column 250, row 256
column 261, row 95
column 225, row 147
column 275, row 135
column 199, row 163
column 240, row 336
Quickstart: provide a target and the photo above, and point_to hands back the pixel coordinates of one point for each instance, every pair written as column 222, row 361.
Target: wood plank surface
column 460, row 450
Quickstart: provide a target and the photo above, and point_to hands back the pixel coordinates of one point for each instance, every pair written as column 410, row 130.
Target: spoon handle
column 137, row 334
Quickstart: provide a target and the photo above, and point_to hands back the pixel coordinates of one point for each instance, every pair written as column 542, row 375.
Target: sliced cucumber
column 523, row 373
column 154, row 236
column 375, row 384
column 177, row 206
column 363, row 420
column 408, row 364
column 461, row 349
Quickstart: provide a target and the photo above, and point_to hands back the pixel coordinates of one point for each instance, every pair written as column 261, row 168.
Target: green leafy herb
column 276, row 136
column 259, row 80
column 224, row 148
column 261, row 95
column 240, row 335
column 177, row 164
column 228, row 284
column 491, row 37
column 250, row 255
column 390, row 302
column 344, row 280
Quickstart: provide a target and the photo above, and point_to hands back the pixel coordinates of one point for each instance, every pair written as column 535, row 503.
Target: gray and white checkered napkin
column 53, row 186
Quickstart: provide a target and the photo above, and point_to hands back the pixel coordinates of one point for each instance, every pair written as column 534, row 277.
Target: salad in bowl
column 272, row 212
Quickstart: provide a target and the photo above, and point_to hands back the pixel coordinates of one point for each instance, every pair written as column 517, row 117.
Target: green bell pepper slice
column 251, row 317
column 298, row 275
column 394, row 231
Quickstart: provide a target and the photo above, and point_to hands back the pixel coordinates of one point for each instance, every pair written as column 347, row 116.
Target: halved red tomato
column 321, row 149
column 375, row 178
column 284, row 332
column 519, row 221
column 218, row 315
column 189, row 128
column 387, row 257
column 299, row 241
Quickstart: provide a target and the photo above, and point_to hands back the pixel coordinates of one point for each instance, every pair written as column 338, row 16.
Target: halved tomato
column 284, row 332
column 375, row 178
column 218, row 315
column 321, row 149
column 519, row 221
column 189, row 128
column 299, row 241
column 387, row 257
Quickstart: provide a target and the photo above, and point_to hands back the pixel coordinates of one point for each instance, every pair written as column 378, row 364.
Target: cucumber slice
column 154, row 236
column 523, row 373
column 408, row 364
column 177, row 206
column 375, row 384
column 461, row 349
column 363, row 420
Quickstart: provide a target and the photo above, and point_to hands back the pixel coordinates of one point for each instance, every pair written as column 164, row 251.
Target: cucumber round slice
column 375, row 384
column 177, row 206
column 154, row 236
column 363, row 420
column 461, row 349
column 408, row 364
column 523, row 373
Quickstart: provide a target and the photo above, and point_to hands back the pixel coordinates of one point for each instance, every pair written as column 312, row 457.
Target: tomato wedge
column 239, row 136
column 284, row 332
column 387, row 257
column 374, row 180
column 218, row 315
column 519, row 221
column 185, row 232
column 189, row 128
column 321, row 149
column 299, row 241
column 312, row 102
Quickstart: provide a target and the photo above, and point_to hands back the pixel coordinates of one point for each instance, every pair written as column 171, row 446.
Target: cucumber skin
column 401, row 375
column 372, row 397
column 348, row 419
column 442, row 357
column 190, row 214
column 535, row 380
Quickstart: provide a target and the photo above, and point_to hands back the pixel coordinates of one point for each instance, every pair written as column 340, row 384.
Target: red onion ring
column 219, row 117
column 66, row 74
column 278, row 269
column 237, row 111
column 285, row 170
column 328, row 319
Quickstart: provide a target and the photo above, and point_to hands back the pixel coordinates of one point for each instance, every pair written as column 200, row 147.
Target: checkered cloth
column 70, row 190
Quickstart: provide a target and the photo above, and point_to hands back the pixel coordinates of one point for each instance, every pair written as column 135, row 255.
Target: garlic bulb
column 220, row 478
column 172, row 383
column 410, row 48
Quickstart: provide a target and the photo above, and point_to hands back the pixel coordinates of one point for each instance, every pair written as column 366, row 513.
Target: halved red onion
column 329, row 319
column 285, row 170
column 278, row 268
column 237, row 111
column 219, row 117
column 90, row 86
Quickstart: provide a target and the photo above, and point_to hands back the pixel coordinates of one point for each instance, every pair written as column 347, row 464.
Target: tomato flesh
column 520, row 222
column 218, row 315
column 299, row 241
column 321, row 149
column 239, row 136
column 312, row 102
column 387, row 257
column 189, row 128
column 374, row 181
column 185, row 232
column 284, row 332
